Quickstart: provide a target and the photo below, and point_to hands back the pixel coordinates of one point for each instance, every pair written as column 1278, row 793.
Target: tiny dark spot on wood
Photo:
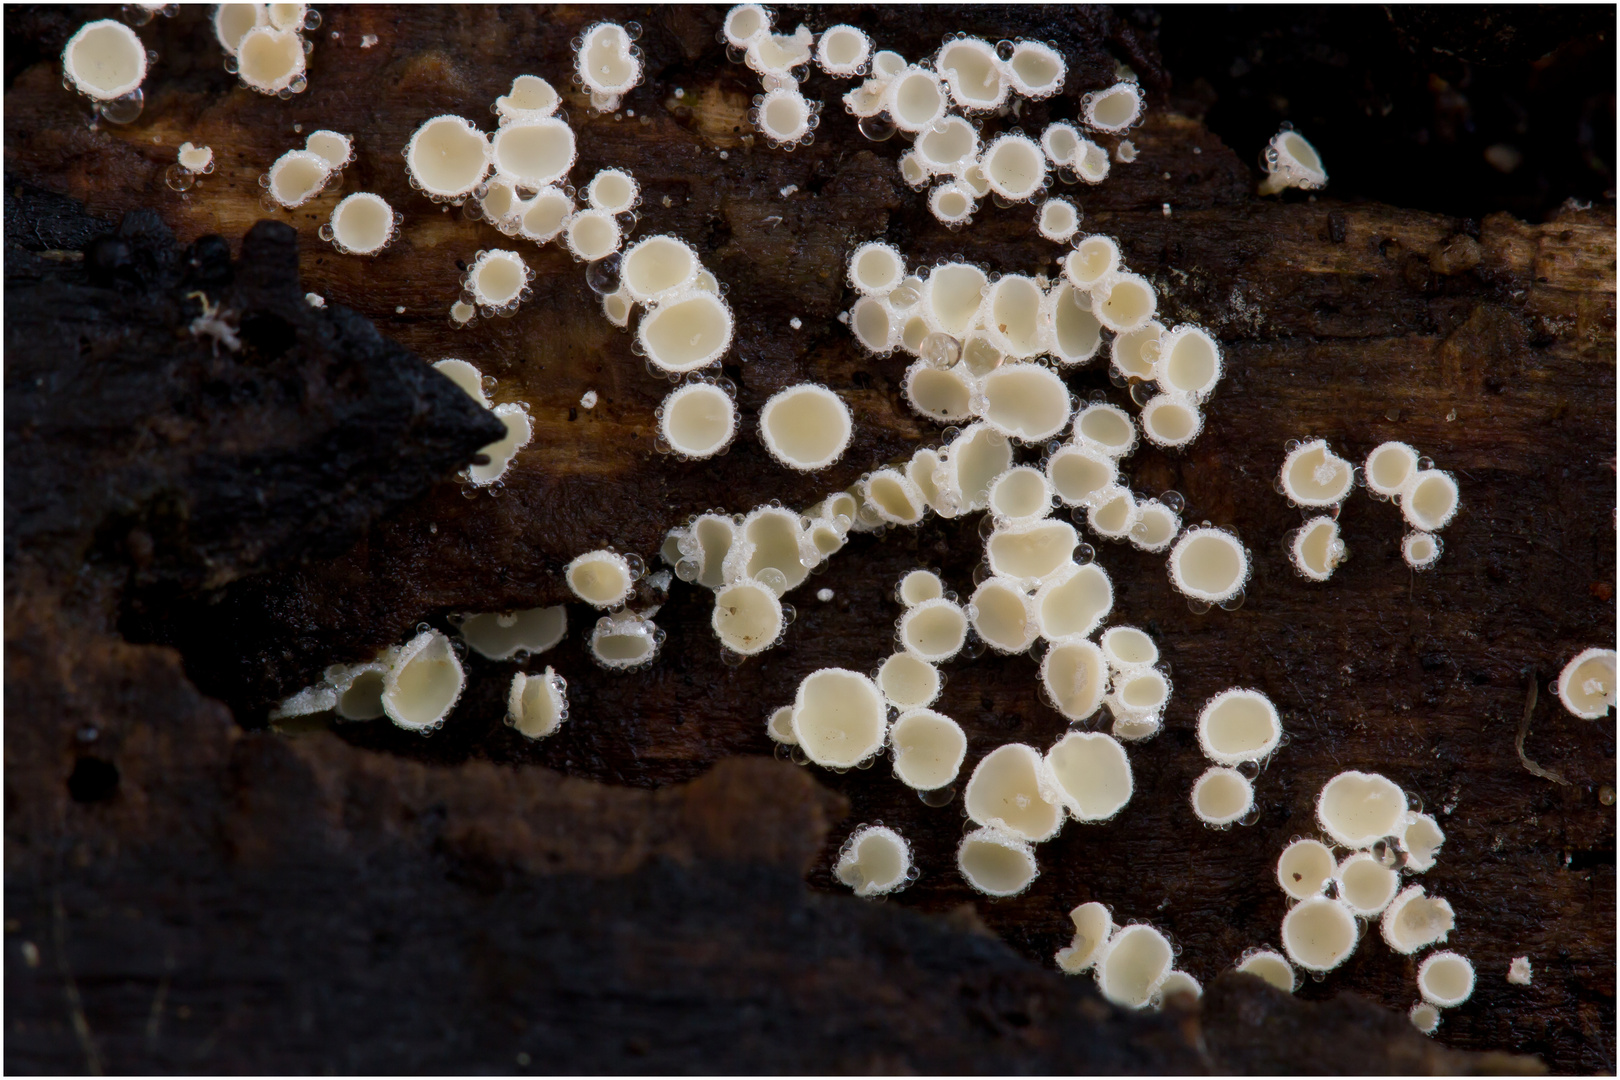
column 573, row 413
column 1336, row 227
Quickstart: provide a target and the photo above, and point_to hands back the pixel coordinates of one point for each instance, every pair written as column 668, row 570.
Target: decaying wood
column 1490, row 347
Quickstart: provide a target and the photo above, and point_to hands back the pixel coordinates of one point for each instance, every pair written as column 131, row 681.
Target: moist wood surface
column 1349, row 322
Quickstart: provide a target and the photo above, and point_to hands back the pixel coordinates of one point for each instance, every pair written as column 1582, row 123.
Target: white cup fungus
column 1112, row 513
column 952, row 203
column 1014, row 166
column 625, row 641
column 1126, row 648
column 894, row 497
column 359, row 687
column 1520, row 972
column 1413, row 921
column 195, row 159
column 1314, row 476
column 1014, row 317
column 1221, row 796
column 657, row 268
column 497, row 279
column 1156, row 526
column 952, row 296
column 333, row 147
column 1178, row 983
column 774, row 549
column 537, row 705
column 501, row 635
column 744, row 23
column 784, row 117
column 948, row 146
column 306, row 702
column 780, row 726
column 1140, row 693
column 868, row 99
column 1420, row 837
column 1291, row 161
column 686, row 333
column 913, row 169
column 1318, row 934
column 1020, row 496
column 1079, row 472
column 1114, row 109
column 1365, row 884
column 873, row 324
column 774, row 56
column 1445, row 979
column 1035, row 69
column 1586, row 685
column 928, row 749
column 933, row 630
column 606, row 63
column 286, row 16
column 1093, row 926
column 1075, row 677
column 1238, row 725
column 1171, row 420
column 747, row 617
column 1091, row 774
column 1271, row 967
column 530, row 98
column 1133, row 355
column 1093, row 260
column 544, row 216
column 1002, row 614
column 1124, row 301
column 843, row 50
column 908, row 683
column 875, row 860
column 362, row 224
column 805, row 427
column 713, row 536
column 1091, row 162
column 270, row 60
column 697, row 420
column 919, row 587
column 613, row 191
column 1076, row 335
column 231, row 24
column 423, row 683
column 465, row 376
column 448, row 158
column 1305, row 867
column 876, row 268
column 1027, row 402
column 1133, row 965
column 945, row 395
column 1421, row 550
column 1060, row 141
column 1431, row 501
column 839, row 718
column 973, row 460
column 1105, row 428
column 1209, row 565
column 592, row 234
column 1424, row 1017
column 1189, row 362
column 1031, row 553
column 501, row 452
column 1390, row 468
column 916, row 99
column 602, row 579
column 973, row 72
column 1010, row 790
column 996, row 863
column 1073, row 602
column 1316, row 550
column 1357, row 809
column 297, row 177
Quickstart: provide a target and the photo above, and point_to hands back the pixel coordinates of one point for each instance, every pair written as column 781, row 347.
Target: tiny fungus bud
column 1011, row 790
column 1356, row 809
column 1390, row 468
column 1413, row 921
column 1079, row 472
column 605, row 62
column 1171, row 420
column 996, row 863
column 894, row 497
column 1221, row 796
column 1113, row 109
column 270, row 60
column 1421, row 550
column 928, row 748
column 448, row 158
column 744, row 23
column 780, row 726
column 839, row 718
column 1091, row 775
column 933, row 630
column 1316, row 549
column 908, row 683
column 1364, row 883
column 423, row 683
column 698, row 420
column 1304, row 868
column 600, row 578
column 974, row 73
column 1027, row 402
column 1123, row 302
column 688, row 332
column 1075, row 675
column 502, row 635
column 1318, row 934
column 531, row 98
column 1445, row 979
column 362, row 224
column 297, row 177
column 537, row 705
column 1105, row 428
column 1209, row 565
column 1431, row 502
column 1291, row 161
column 1421, row 838
column 1272, row 967
column 1586, row 686
column 747, row 617
column 625, row 641
column 843, row 51
column 874, row 861
column 1020, row 496
column 805, row 427
column 916, row 99
column 1133, row 965
column 1520, row 972
column 1093, row 926
column 1002, row 614
column 657, row 268
column 1014, row 166
column 1031, row 553
column 1314, row 476
column 195, row 159
column 334, row 147
column 613, row 191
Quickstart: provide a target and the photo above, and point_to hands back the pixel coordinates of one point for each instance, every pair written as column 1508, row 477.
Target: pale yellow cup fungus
column 1319, row 934
column 1520, row 972
column 603, row 579
column 1291, row 162
column 1221, row 796
column 1421, row 550
column 908, row 683
column 1072, row 602
column 1156, row 526
column 1421, row 838
column 1079, row 472
column 1445, row 979
column 687, row 332
column 995, row 862
column 1090, row 775
column 1105, row 428
column 1189, row 362
column 1027, row 402
column 1076, row 334
column 543, row 218
column 1112, row 110
column 1271, row 967
column 1356, row 809
column 1431, row 501
column 1586, row 685
column 839, row 718
column 625, row 641
column 894, row 497
column 929, row 748
column 271, row 61
column 1424, row 1017
column 1365, row 884
column 1003, row 615
column 948, row 147
column 744, row 23
column 1014, row 166
column 1031, row 553
column 1237, row 726
column 1413, row 921
column 1060, row 141
column 919, row 587
column 942, row 394
column 1075, row 677
column 530, row 98
column 972, row 461
column 1134, row 355
column 1314, row 476
column 952, row 203
column 607, row 64
column 1123, row 302
column 613, row 191
column 1011, row 790
column 1305, row 867
column 933, row 630
column 1209, row 565
column 697, row 420
column 1128, row 649
column 1316, row 550
column 537, row 705
column 805, row 427
column 1390, row 468
column 1171, row 420
column 874, row 861
column 1133, row 965
column 843, row 51
column 974, row 73
column 1093, row 926
column 916, row 99
column 334, row 147
column 195, row 159
column 784, row 116
column 362, row 224
column 657, row 268
column 423, row 682
column 747, row 618
column 297, row 177
column 233, row 21
column 447, row 157
column 876, row 268
column 501, row 635
column 1035, row 69
column 1020, row 496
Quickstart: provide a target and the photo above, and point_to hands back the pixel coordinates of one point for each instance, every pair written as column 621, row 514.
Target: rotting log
column 1353, row 322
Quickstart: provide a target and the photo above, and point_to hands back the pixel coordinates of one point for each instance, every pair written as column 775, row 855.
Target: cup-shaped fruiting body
column 1079, row 472
column 948, row 146
column 1139, row 693
column 995, row 862
column 1113, row 109
column 1133, row 965
column 1014, row 166
column 697, row 420
column 1209, row 565
column 974, row 73
column 465, row 376
column 868, row 99
column 1424, row 1017
column 874, row 325
column 545, row 215
column 424, row 682
column 784, row 117
column 780, row 726
column 1127, row 649
column 1421, row 550
column 1291, row 161
column 1413, row 921
column 1072, row 602
column 1091, row 775
column 688, row 332
column 952, row 203
column 605, row 62
column 1431, row 501
column 537, row 705
column 1002, row 614
column 657, row 268
column 952, row 297
column 1586, row 686
column 1010, row 790
column 297, row 177
column 1028, row 402
column 307, row 702
column 531, row 98
column 972, row 461
column 1318, row 934
column 195, row 159
column 919, row 587
column 362, row 224
column 1304, row 868
column 805, row 427
column 1357, row 809
column 1445, row 979
column 271, row 60
column 1390, row 468
column 1155, row 528
column 875, row 860
column 908, row 683
column 448, row 158
column 1221, row 796
column 945, row 395
column 892, row 495
column 1035, row 69
column 1520, row 973
column 711, row 540
column 519, row 430
column 913, row 169
column 625, row 641
column 233, row 21
column 933, row 630
column 1365, row 884
column 602, row 579
column 774, row 549
column 876, row 268
column 1316, row 549
column 1171, row 420
column 1075, row 333
column 1111, row 512
column 334, row 147
column 286, row 16
column 1105, row 428
column 1189, row 362
column 1031, row 553
column 1020, row 496
column 1134, row 355
column 1060, row 141
column 1316, row 477
column 1238, row 725
column 928, row 749
column 613, row 191
column 1180, row 983
column 497, row 279
column 592, row 234
column 1421, row 838
column 1092, row 261
column 839, row 718
column 747, row 617
column 774, row 56
column 1124, row 302
column 359, row 687
column 1075, row 677
column 744, row 23
column 843, row 51
column 1271, row 967
column 501, row 635
column 1014, row 310
column 916, row 99
column 1093, row 926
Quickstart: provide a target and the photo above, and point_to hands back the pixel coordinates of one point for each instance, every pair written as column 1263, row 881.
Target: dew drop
column 878, row 128
column 938, row 796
